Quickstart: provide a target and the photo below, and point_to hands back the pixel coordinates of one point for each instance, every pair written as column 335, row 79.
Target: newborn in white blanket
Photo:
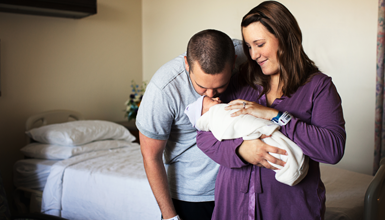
column 223, row 126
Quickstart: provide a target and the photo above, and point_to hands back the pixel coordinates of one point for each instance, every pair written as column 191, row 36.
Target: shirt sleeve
column 323, row 139
column 155, row 114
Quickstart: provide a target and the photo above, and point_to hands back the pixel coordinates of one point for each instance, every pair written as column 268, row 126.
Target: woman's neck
column 275, row 90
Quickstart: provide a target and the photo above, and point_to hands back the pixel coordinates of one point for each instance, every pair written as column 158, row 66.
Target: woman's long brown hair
column 294, row 65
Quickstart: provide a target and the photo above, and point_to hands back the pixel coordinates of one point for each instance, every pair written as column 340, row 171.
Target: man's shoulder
column 169, row 72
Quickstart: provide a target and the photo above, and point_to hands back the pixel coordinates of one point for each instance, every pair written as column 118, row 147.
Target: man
column 184, row 184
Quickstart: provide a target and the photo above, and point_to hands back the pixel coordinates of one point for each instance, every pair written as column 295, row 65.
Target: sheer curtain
column 379, row 150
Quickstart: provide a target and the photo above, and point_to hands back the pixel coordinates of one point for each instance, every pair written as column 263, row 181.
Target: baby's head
column 199, row 107
column 208, row 102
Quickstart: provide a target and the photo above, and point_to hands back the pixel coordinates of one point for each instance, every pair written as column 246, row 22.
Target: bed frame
column 374, row 204
column 52, row 117
column 35, row 121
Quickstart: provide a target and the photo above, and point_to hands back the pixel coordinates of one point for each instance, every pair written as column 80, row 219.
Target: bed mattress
column 101, row 185
column 32, row 173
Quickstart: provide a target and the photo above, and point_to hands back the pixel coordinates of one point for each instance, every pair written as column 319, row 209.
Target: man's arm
column 152, row 151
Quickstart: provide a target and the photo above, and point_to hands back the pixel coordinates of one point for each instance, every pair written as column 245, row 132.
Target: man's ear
column 186, row 64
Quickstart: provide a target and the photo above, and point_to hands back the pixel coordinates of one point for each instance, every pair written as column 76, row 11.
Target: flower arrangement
column 133, row 103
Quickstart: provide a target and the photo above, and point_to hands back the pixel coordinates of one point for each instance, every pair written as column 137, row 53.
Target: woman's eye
column 261, row 45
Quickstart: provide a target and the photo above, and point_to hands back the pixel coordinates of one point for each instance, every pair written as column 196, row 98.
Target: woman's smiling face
column 263, row 47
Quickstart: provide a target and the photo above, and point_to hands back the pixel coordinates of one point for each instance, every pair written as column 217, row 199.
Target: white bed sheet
column 345, row 193
column 101, row 185
column 32, row 173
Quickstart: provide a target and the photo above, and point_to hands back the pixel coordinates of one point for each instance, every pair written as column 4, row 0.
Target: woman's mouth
column 262, row 62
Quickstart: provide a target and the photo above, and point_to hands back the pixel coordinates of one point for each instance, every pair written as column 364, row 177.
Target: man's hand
column 256, row 152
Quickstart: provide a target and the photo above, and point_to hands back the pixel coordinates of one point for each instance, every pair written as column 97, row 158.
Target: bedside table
column 131, row 127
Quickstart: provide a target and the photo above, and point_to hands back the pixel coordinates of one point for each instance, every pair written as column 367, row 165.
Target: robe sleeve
column 223, row 152
column 323, row 138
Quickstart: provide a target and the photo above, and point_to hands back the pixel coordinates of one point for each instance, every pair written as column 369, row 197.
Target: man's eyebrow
column 213, row 88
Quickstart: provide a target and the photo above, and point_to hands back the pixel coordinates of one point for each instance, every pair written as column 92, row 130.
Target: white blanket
column 101, row 185
column 223, row 126
column 32, row 173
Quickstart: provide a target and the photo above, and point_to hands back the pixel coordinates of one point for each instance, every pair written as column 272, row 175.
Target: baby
column 208, row 114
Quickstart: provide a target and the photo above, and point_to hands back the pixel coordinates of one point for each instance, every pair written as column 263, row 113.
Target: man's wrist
column 173, row 218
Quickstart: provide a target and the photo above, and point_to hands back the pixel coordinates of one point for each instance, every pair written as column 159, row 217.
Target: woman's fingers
column 237, row 101
column 275, row 150
column 244, row 107
column 267, row 165
column 257, row 152
column 237, row 105
column 240, row 112
column 274, row 160
column 251, row 108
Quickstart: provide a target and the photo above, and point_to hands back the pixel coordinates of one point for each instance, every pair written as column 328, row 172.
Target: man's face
column 209, row 84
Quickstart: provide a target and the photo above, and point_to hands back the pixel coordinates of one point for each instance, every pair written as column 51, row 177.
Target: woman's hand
column 256, row 152
column 251, row 108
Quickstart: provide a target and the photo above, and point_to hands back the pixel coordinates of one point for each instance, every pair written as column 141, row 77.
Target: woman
column 281, row 78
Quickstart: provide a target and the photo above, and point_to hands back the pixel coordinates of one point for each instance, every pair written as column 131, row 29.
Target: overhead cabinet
column 55, row 8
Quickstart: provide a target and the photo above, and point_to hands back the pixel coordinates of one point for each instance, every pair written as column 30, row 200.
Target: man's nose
column 211, row 93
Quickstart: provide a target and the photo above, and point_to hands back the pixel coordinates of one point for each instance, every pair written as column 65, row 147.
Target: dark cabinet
column 55, row 8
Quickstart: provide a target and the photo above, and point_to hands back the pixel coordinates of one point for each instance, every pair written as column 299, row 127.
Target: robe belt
column 247, row 178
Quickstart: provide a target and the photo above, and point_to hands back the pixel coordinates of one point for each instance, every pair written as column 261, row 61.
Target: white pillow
column 53, row 152
column 79, row 132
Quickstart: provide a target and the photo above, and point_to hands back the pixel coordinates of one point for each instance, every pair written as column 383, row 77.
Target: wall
column 339, row 35
column 58, row 63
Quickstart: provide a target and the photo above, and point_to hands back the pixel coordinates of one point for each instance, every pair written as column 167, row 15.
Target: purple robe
column 318, row 128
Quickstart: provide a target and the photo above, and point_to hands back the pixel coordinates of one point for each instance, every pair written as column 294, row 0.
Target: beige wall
column 57, row 63
column 339, row 35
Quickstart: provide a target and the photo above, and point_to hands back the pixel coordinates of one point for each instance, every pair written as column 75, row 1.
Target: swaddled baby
column 209, row 114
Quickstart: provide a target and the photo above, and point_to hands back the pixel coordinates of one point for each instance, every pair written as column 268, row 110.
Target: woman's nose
column 254, row 54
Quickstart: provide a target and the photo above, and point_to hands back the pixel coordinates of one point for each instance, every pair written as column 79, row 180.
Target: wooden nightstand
column 130, row 125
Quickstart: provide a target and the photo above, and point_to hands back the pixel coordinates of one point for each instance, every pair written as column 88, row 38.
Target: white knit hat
column 194, row 111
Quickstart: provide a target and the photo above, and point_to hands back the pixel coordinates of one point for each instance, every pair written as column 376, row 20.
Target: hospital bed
column 354, row 196
column 110, row 182
column 97, row 173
